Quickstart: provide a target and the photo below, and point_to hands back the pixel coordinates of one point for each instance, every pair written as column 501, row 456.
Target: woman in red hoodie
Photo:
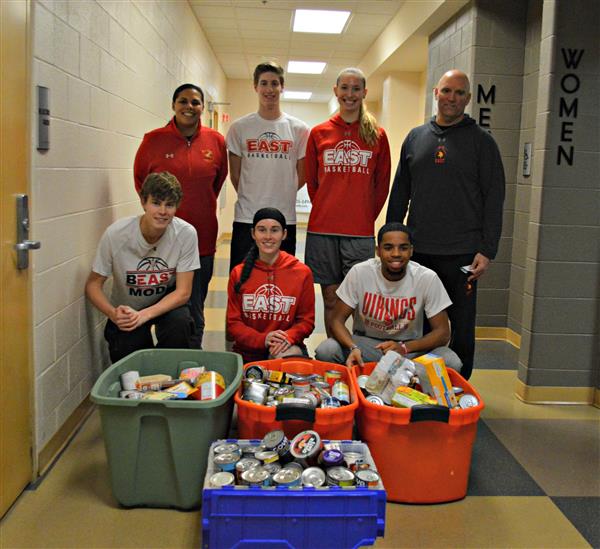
column 271, row 298
column 347, row 168
column 197, row 156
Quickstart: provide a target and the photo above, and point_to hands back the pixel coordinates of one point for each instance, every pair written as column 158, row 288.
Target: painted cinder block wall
column 111, row 68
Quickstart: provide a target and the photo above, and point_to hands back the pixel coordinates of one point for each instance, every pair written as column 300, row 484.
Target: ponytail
column 249, row 262
column 368, row 129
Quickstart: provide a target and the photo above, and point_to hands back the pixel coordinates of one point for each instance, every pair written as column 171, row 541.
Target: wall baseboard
column 498, row 334
column 63, row 436
column 557, row 395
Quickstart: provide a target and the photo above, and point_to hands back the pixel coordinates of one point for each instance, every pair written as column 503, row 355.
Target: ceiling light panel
column 320, row 21
column 287, row 94
column 306, row 67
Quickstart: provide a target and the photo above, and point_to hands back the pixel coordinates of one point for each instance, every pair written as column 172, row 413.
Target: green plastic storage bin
column 157, row 450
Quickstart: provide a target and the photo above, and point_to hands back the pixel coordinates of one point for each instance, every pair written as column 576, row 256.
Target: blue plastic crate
column 292, row 518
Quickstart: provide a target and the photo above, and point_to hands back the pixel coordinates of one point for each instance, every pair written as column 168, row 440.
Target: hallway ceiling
column 242, row 33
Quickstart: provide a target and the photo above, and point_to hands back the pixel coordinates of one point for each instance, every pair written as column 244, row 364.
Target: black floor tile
column 495, row 355
column 494, row 470
column 584, row 513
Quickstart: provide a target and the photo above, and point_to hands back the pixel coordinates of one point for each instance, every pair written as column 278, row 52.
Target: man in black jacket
column 451, row 173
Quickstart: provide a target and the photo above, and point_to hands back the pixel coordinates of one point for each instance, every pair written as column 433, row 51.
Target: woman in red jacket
column 347, row 167
column 271, row 298
column 197, row 156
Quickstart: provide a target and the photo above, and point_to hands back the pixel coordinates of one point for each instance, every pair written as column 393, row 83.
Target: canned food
column 321, row 386
column 129, row 380
column 341, row 391
column 211, row 385
column 375, row 399
column 277, row 441
column 353, row 459
column 362, row 383
column 331, row 458
column 294, row 465
column 245, row 464
column 331, row 376
column 301, row 386
column 283, row 392
column 330, row 402
column 274, row 376
column 134, row 395
column 311, row 398
column 340, row 476
column 255, row 372
column 273, row 468
column 287, row 477
column 257, row 476
column 267, row 456
column 251, row 451
column 306, row 445
column 222, row 479
column 227, row 448
column 313, row 476
column 468, row 401
column 226, row 462
column 458, row 390
column 256, row 392
column 367, row 477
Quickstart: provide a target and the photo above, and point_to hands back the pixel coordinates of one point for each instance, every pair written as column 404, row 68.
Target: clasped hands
column 277, row 342
column 128, row 319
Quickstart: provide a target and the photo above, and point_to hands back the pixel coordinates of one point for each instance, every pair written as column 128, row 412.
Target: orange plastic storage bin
column 423, row 454
column 255, row 420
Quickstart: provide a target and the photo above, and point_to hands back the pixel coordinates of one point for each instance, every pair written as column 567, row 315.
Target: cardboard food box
column 434, row 379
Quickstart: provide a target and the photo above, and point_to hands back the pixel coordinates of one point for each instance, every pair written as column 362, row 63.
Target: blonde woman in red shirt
column 348, row 176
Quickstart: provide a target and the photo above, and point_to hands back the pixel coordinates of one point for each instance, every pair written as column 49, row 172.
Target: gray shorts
column 330, row 257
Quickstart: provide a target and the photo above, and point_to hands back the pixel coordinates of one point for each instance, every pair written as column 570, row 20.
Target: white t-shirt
column 392, row 310
column 142, row 272
column 269, row 150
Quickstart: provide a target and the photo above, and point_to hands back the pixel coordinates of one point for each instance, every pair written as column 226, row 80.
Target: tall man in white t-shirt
column 152, row 259
column 389, row 297
column 266, row 162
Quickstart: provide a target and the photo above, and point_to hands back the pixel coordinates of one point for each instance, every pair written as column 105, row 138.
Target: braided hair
column 249, row 262
column 252, row 255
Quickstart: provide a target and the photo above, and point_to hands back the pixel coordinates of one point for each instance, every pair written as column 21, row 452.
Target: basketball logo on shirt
column 149, row 278
column 268, row 145
column 346, row 157
column 440, row 154
column 207, row 154
column 267, row 303
column 170, row 155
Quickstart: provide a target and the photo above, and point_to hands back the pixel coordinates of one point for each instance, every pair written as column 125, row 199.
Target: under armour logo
column 170, row 155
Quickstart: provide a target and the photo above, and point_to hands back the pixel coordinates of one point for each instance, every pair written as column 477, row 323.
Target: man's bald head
column 452, row 94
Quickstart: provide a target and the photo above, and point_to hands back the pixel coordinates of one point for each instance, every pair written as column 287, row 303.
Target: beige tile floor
column 534, row 479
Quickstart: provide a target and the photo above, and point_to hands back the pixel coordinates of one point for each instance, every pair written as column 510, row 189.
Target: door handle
column 23, row 244
column 28, row 245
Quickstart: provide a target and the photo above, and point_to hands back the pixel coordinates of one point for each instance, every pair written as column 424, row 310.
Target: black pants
column 173, row 331
column 200, row 284
column 241, row 241
column 463, row 310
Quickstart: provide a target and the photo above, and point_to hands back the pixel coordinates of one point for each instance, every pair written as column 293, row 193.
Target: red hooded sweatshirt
column 200, row 167
column 275, row 297
column 347, row 180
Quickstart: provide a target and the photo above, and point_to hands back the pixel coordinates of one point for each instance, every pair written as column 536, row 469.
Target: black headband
column 269, row 213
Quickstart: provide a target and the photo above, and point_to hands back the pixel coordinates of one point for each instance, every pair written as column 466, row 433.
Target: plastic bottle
column 384, row 369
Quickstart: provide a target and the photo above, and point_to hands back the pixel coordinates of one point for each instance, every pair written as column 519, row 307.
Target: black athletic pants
column 462, row 312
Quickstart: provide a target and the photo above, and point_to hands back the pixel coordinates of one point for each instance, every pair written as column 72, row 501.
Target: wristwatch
column 352, row 347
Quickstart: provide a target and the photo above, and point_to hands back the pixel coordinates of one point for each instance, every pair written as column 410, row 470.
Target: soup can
column 367, row 477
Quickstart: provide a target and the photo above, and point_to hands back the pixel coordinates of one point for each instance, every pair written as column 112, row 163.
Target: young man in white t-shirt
column 389, row 297
column 151, row 259
column 266, row 162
